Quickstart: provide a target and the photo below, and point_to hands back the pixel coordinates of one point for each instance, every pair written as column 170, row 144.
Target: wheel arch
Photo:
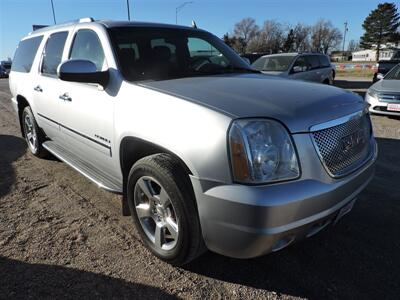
column 22, row 103
column 132, row 149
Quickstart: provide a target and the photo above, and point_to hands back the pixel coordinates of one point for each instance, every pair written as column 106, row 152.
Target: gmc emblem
column 353, row 140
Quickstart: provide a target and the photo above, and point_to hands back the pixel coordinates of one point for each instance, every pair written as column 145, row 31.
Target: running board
column 86, row 169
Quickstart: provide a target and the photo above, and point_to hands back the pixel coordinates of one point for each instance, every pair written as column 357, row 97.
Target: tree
column 353, row 46
column 245, row 30
column 325, row 37
column 380, row 27
column 302, row 37
column 288, row 46
column 270, row 38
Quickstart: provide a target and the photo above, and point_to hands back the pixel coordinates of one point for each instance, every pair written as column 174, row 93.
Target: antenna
column 194, row 25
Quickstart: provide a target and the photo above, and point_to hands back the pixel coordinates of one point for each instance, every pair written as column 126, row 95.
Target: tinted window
column 87, row 46
column 52, row 53
column 313, row 61
column 324, row 61
column 25, row 54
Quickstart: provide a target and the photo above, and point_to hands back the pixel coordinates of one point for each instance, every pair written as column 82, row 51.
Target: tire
column 34, row 136
column 160, row 192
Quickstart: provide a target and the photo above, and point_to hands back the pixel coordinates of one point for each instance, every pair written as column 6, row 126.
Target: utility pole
column 344, row 35
column 179, row 8
column 129, row 12
column 54, row 14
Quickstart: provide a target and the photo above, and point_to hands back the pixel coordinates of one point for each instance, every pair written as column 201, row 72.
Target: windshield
column 273, row 63
column 161, row 53
column 394, row 74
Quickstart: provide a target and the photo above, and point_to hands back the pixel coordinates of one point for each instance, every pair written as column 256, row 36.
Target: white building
column 388, row 52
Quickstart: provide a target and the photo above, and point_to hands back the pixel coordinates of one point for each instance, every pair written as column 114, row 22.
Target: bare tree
column 245, row 30
column 325, row 37
column 302, row 35
column 270, row 38
column 353, row 46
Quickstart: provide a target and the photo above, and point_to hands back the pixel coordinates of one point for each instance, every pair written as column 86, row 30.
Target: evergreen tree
column 381, row 27
column 288, row 46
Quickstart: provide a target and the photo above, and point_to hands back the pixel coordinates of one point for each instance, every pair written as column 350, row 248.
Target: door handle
column 65, row 97
column 38, row 88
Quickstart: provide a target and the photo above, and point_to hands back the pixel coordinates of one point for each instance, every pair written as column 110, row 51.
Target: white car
column 384, row 95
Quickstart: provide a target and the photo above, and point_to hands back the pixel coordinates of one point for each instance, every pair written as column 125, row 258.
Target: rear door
column 46, row 95
column 316, row 73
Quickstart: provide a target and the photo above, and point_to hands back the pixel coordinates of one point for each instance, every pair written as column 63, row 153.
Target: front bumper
column 248, row 221
column 378, row 107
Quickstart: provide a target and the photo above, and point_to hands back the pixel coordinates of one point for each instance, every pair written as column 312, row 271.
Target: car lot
column 61, row 236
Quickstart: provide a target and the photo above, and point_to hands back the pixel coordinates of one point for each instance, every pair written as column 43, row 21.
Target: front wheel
column 163, row 207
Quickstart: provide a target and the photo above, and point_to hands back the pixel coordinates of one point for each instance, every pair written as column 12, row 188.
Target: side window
column 201, row 48
column 52, row 53
column 313, row 61
column 25, row 54
column 301, row 65
column 87, row 46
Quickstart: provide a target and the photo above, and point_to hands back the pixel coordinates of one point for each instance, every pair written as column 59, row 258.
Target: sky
column 216, row 16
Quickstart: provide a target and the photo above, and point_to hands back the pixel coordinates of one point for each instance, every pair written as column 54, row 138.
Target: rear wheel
column 163, row 207
column 33, row 134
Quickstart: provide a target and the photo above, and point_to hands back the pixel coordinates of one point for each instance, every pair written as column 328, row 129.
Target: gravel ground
column 61, row 236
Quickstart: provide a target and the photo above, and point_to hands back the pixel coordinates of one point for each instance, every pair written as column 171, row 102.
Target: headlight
column 372, row 93
column 261, row 152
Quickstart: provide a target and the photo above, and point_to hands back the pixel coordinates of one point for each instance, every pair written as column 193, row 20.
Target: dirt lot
column 61, row 236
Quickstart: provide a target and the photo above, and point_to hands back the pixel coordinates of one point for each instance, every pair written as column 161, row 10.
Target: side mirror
column 246, row 60
column 297, row 69
column 80, row 70
column 379, row 76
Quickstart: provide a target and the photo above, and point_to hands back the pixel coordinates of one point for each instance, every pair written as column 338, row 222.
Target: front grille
column 345, row 147
column 390, row 98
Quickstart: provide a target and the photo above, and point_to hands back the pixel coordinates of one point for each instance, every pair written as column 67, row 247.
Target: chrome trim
column 91, row 178
column 339, row 121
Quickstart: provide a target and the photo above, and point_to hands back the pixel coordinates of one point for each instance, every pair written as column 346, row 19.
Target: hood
column 387, row 86
column 297, row 104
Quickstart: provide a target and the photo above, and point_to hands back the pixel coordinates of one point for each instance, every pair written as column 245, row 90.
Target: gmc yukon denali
column 206, row 152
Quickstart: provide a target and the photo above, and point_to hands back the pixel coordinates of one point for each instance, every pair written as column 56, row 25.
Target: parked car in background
column 384, row 95
column 252, row 57
column 383, row 67
column 6, row 66
column 206, row 152
column 3, row 72
column 303, row 66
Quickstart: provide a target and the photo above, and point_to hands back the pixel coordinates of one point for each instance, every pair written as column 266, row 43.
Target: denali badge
column 353, row 140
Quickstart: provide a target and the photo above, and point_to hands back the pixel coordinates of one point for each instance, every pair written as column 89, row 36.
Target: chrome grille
column 343, row 148
column 390, row 98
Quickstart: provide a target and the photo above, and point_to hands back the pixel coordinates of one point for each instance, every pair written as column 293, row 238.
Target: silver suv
column 207, row 153
column 314, row 67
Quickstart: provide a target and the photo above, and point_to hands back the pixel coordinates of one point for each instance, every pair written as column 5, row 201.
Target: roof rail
column 45, row 28
column 84, row 20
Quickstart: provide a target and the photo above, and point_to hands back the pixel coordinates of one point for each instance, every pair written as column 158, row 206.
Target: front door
column 86, row 120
